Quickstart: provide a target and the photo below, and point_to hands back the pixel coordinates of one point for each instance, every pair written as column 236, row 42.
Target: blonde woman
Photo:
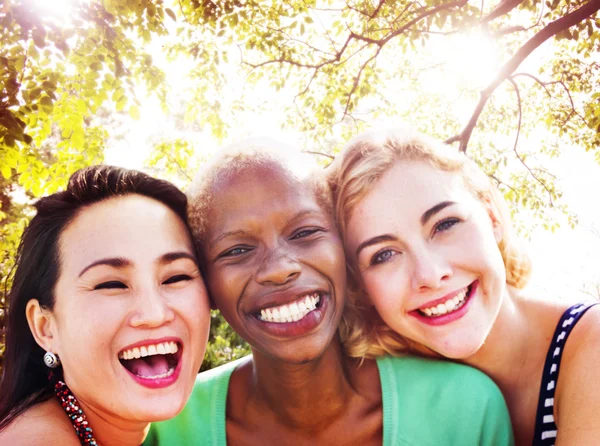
column 437, row 271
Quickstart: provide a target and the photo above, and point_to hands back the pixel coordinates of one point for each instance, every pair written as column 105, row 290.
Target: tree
column 332, row 67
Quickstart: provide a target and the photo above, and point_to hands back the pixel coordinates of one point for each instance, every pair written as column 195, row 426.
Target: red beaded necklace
column 75, row 413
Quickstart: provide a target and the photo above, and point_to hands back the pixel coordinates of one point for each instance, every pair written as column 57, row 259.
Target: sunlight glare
column 472, row 57
column 54, row 8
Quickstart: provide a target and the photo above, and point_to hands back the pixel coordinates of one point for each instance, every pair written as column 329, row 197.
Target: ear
column 41, row 325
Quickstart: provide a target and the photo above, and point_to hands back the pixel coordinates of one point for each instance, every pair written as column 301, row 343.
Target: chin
column 152, row 411
column 459, row 351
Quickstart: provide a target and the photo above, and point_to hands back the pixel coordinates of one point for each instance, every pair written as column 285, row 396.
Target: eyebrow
column 121, row 262
column 434, row 210
column 374, row 241
column 241, row 232
column 224, row 236
column 172, row 256
column 115, row 262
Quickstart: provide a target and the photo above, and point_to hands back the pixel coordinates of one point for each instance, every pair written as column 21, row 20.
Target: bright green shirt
column 425, row 403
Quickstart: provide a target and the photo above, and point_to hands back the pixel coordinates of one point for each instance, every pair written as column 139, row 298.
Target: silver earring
column 51, row 360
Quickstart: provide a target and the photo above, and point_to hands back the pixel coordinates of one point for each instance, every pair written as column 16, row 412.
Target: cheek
column 195, row 308
column 385, row 290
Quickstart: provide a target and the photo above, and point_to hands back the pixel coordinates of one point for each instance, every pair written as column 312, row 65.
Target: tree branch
column 509, row 67
column 503, row 8
column 327, row 155
column 539, row 180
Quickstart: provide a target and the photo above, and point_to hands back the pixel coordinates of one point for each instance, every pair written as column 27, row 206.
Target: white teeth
column 447, row 307
column 162, row 375
column 164, row 348
column 291, row 312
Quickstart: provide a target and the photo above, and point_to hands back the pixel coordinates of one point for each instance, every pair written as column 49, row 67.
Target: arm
column 578, row 388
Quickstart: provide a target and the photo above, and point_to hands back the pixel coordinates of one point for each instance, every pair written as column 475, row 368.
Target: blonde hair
column 245, row 155
column 354, row 172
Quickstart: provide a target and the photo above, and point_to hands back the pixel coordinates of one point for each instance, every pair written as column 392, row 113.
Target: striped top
column 545, row 427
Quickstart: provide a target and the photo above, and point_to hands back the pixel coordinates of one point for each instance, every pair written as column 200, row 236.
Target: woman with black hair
column 107, row 315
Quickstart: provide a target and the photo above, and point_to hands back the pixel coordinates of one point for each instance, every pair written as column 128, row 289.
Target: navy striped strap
column 545, row 426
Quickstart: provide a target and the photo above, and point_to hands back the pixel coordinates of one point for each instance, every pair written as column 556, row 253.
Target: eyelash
column 305, row 232
column 110, row 285
column 232, row 252
column 115, row 284
column 375, row 260
column 446, row 224
column 177, row 278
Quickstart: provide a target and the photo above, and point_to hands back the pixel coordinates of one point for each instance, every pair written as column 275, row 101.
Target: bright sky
column 565, row 262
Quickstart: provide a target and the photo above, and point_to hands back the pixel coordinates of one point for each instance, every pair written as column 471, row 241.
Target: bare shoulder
column 578, row 387
column 44, row 423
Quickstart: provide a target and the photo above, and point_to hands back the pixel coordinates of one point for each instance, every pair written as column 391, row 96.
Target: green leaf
column 6, row 172
column 134, row 112
column 121, row 103
column 170, row 13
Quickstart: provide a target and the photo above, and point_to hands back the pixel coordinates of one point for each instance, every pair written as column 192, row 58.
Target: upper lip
column 147, row 342
column 283, row 297
column 441, row 300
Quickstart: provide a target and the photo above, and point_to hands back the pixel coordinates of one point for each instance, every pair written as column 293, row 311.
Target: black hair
column 24, row 381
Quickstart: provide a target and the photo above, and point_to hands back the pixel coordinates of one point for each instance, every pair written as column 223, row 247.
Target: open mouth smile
column 153, row 364
column 293, row 311
column 295, row 317
column 447, row 310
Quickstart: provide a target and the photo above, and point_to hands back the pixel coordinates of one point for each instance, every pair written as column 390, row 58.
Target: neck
column 515, row 351
column 305, row 395
column 110, row 430
column 512, row 353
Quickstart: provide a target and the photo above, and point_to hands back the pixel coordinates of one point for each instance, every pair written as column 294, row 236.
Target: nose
column 431, row 270
column 152, row 309
column 278, row 267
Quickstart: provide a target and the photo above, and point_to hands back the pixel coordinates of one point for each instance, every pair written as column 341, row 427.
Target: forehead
column 256, row 192
column 406, row 189
column 131, row 226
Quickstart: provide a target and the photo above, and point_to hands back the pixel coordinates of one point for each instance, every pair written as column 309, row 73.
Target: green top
column 425, row 403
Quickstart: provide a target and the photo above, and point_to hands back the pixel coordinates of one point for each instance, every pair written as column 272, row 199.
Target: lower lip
column 158, row 383
column 296, row 328
column 449, row 317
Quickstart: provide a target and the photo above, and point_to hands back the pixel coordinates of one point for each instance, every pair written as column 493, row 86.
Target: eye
column 112, row 284
column 383, row 256
column 234, row 252
column 446, row 224
column 176, row 279
column 305, row 232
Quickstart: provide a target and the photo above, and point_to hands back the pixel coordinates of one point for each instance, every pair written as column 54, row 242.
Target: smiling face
column 131, row 317
column 275, row 263
column 427, row 255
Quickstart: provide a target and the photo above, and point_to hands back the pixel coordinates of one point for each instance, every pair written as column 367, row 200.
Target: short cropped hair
column 243, row 156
